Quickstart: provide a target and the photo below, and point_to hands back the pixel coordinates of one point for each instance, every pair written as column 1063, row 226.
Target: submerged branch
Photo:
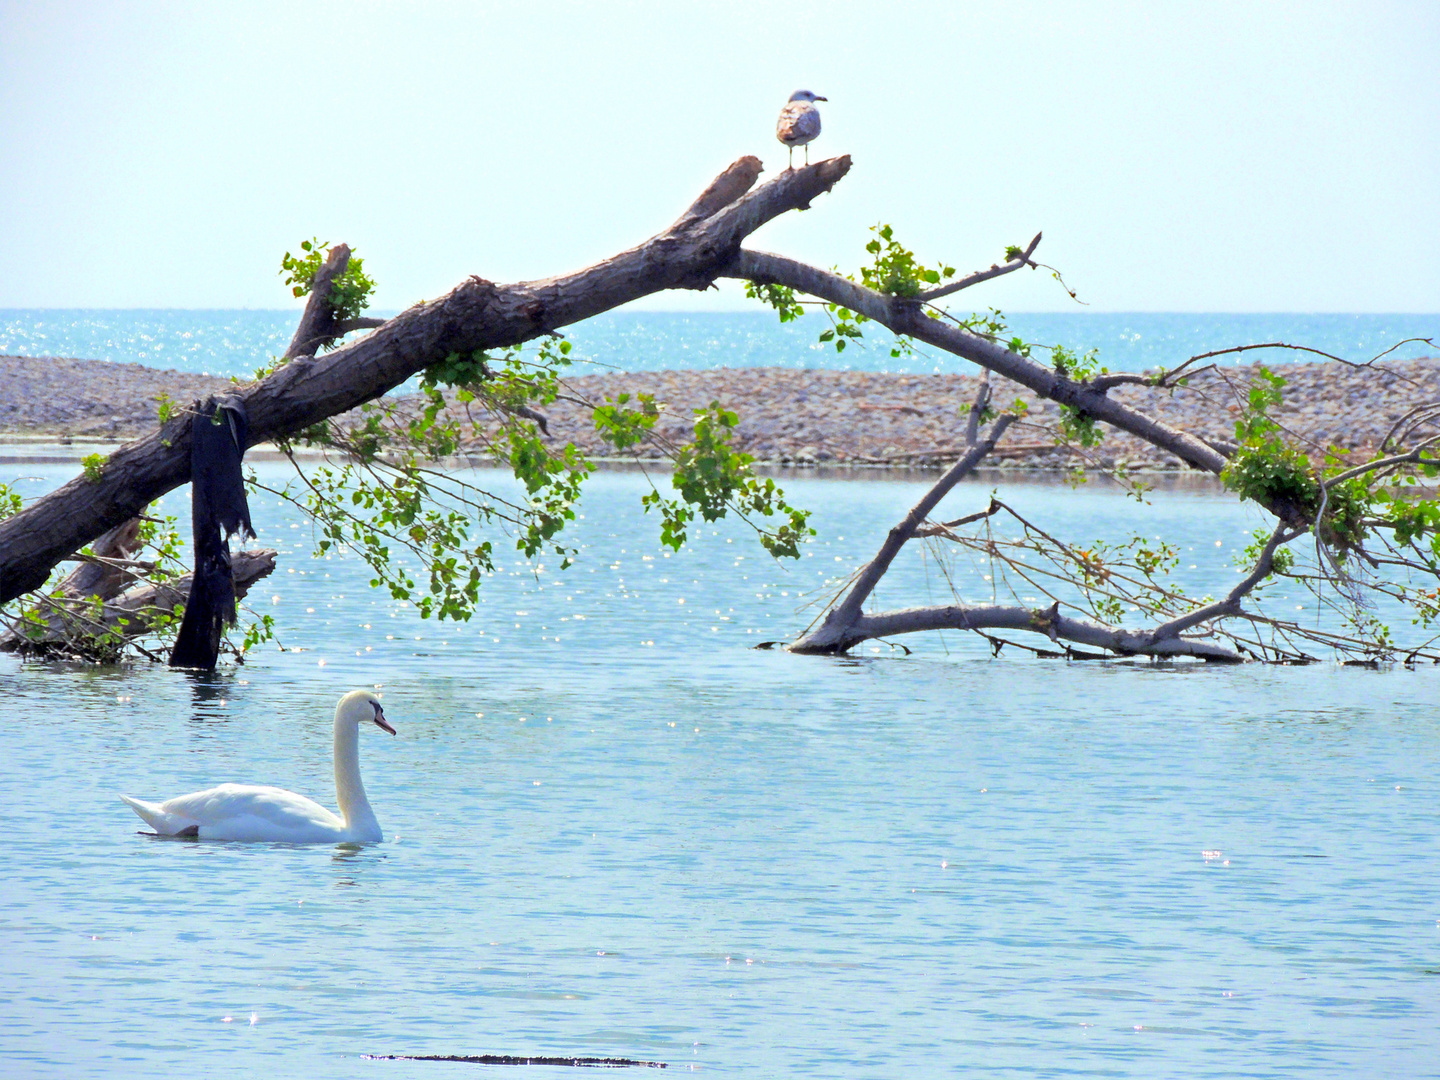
column 1046, row 621
column 99, row 629
column 836, row 626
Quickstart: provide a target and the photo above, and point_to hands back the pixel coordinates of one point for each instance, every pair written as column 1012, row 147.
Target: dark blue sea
column 229, row 343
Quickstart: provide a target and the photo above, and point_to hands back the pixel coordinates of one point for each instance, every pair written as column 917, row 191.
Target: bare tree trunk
column 478, row 314
column 907, row 317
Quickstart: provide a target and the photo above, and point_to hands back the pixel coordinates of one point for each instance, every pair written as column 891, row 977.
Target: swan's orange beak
column 381, row 722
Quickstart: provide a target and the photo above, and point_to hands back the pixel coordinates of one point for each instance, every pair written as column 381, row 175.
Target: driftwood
column 846, row 625
column 111, row 620
column 106, row 571
column 109, row 569
column 478, row 314
column 249, row 566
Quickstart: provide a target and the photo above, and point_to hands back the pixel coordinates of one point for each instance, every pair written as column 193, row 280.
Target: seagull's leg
column 807, row 153
column 792, row 159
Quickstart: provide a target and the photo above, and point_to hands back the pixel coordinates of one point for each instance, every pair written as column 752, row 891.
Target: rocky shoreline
column 789, row 416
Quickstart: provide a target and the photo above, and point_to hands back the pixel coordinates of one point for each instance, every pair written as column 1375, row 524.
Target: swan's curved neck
column 349, row 790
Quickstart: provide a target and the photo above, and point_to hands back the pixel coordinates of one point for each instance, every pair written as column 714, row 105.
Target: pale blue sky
column 1196, row 157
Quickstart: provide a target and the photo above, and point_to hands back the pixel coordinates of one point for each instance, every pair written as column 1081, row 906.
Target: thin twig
column 996, row 270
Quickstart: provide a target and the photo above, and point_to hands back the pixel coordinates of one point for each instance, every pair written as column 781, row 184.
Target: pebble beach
column 791, row 416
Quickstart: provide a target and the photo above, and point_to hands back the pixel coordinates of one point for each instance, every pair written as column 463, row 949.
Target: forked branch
column 834, row 633
column 908, row 318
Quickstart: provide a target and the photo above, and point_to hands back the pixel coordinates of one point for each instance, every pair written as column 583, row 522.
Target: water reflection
column 208, row 688
column 351, row 862
column 188, row 838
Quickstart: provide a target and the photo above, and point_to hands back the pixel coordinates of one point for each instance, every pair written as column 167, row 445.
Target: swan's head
column 806, row 95
column 359, row 706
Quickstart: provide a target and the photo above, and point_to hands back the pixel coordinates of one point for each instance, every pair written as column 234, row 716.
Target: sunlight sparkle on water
column 785, row 831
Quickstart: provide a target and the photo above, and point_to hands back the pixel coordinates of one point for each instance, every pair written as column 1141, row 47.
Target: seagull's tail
column 163, row 823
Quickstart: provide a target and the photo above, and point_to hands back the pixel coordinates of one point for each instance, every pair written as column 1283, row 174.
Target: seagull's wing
column 799, row 123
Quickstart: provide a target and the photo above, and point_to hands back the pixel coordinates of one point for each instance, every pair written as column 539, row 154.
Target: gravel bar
column 789, row 416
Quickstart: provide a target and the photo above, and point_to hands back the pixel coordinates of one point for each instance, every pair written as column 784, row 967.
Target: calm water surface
column 614, row 828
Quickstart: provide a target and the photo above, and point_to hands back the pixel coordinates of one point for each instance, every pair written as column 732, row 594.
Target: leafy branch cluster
column 349, row 293
column 11, row 501
column 713, row 477
column 389, row 497
column 1076, row 425
column 779, row 297
column 1274, row 471
column 894, row 270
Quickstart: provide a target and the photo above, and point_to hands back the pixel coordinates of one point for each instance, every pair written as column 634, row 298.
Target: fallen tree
column 384, row 483
column 475, row 317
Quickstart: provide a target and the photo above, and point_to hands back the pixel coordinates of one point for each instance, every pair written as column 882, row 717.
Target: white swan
column 251, row 812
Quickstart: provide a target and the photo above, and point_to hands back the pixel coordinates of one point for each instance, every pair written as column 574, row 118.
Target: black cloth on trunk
column 218, row 439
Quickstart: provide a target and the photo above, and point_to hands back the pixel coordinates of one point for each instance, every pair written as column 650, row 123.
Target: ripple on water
column 748, row 861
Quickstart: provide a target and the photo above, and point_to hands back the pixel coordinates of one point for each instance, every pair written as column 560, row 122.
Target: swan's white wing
column 251, row 812
column 159, row 820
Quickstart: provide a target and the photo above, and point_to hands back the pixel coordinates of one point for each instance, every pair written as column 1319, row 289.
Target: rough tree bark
column 477, row 314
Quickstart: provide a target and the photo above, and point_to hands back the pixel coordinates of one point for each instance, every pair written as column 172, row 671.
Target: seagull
column 799, row 123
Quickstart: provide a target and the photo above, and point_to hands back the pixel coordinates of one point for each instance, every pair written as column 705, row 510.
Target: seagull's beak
column 822, row 99
column 381, row 722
